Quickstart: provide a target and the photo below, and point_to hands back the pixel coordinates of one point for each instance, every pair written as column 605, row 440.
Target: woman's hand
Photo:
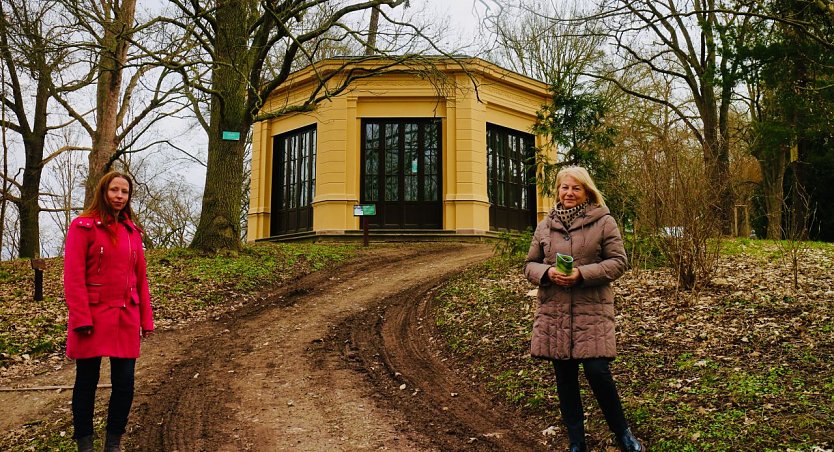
column 88, row 330
column 146, row 333
column 561, row 279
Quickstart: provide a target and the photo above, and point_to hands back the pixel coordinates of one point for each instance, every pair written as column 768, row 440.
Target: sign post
column 364, row 211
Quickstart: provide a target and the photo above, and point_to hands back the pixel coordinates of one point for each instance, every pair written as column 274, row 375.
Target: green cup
column 564, row 263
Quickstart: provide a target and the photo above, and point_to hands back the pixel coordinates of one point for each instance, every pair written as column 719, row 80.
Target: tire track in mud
column 272, row 376
column 184, row 409
column 396, row 345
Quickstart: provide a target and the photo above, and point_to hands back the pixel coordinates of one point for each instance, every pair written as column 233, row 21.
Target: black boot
column 628, row 443
column 85, row 444
column 113, row 443
column 578, row 447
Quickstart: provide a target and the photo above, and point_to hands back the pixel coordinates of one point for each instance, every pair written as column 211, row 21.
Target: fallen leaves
column 742, row 364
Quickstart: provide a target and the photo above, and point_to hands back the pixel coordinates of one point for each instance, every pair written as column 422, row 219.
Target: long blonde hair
column 581, row 175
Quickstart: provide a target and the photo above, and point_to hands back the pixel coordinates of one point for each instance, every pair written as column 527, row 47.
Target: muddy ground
column 338, row 360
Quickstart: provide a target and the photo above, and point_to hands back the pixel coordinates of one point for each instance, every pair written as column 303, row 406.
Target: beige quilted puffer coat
column 576, row 322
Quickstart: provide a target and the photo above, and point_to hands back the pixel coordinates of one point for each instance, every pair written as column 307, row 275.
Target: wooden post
column 39, row 265
column 364, row 230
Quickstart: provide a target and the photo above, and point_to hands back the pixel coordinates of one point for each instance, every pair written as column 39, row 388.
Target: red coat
column 106, row 286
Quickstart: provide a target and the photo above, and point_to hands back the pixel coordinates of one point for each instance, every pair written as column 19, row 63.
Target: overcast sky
column 464, row 13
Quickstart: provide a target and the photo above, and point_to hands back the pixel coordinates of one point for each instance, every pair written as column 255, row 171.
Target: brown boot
column 112, row 443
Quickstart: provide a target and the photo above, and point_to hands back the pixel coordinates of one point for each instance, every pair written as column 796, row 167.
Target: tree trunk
column 717, row 167
column 727, row 194
column 111, row 63
column 33, row 136
column 29, row 209
column 713, row 110
column 370, row 47
column 5, row 189
column 219, row 226
column 801, row 213
column 29, row 206
column 773, row 166
column 5, row 183
column 33, row 144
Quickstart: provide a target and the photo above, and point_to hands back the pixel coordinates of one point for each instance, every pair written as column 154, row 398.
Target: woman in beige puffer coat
column 574, row 323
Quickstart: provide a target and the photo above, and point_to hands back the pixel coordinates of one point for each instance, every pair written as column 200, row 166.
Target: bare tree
column 660, row 158
column 541, row 42
column 687, row 226
column 244, row 51
column 246, row 189
column 11, row 235
column 166, row 206
column 795, row 231
column 61, row 195
column 538, row 38
column 132, row 90
column 370, row 47
column 673, row 210
column 5, row 186
column 33, row 51
column 685, row 41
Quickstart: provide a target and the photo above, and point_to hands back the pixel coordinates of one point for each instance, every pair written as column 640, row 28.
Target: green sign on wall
column 364, row 210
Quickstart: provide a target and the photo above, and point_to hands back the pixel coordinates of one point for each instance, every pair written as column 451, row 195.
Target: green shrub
column 643, row 251
column 513, row 243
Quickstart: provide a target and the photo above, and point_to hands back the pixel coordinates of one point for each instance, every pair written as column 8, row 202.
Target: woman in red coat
column 106, row 290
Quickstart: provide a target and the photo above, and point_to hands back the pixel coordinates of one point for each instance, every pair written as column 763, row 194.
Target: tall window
column 510, row 177
column 294, row 181
column 401, row 172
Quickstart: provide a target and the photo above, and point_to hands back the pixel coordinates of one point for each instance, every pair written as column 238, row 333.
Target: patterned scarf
column 566, row 216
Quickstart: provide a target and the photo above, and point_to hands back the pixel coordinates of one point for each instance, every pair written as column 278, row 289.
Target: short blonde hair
column 581, row 175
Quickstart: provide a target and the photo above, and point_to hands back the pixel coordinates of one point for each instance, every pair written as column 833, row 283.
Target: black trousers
column 84, row 394
column 602, row 385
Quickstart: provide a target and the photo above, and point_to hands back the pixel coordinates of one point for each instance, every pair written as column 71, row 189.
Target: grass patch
column 643, row 251
column 184, row 284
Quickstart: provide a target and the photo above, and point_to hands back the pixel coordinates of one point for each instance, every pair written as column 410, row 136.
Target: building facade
column 446, row 151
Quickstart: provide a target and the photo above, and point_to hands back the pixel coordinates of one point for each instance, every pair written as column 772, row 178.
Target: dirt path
column 395, row 346
column 319, row 365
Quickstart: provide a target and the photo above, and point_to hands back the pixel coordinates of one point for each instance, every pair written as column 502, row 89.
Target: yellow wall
column 502, row 98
